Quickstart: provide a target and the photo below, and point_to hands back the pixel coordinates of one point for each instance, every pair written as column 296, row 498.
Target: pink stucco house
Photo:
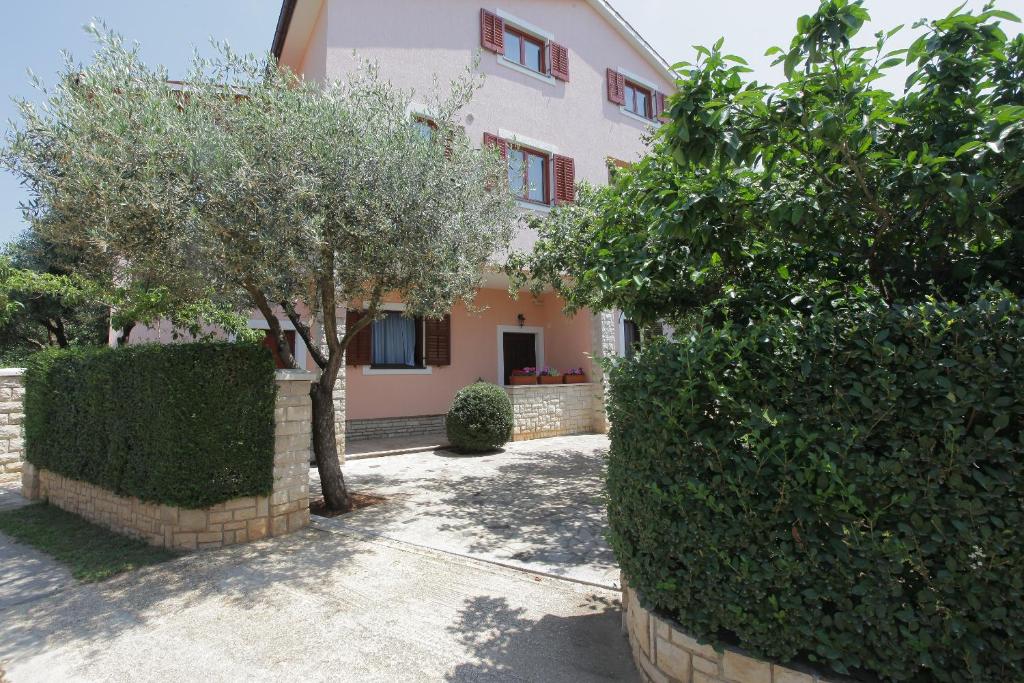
column 570, row 89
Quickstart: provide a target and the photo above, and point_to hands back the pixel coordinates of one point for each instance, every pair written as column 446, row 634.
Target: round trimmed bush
column 480, row 418
column 843, row 488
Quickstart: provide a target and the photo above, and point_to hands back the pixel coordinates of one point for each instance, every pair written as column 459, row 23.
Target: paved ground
column 306, row 607
column 10, row 493
column 537, row 505
column 346, row 602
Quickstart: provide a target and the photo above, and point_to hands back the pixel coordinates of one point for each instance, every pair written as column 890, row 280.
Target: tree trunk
column 325, row 447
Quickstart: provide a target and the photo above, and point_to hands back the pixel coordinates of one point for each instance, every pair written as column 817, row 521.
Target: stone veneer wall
column 602, row 339
column 12, row 414
column 665, row 654
column 388, row 427
column 544, row 410
column 239, row 520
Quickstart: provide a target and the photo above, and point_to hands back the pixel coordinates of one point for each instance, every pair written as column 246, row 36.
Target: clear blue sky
column 34, row 33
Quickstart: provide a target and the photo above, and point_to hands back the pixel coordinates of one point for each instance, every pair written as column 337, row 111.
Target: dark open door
column 520, row 351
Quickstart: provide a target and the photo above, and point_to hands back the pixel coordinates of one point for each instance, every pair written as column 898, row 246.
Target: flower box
column 518, row 380
column 550, row 379
column 575, row 379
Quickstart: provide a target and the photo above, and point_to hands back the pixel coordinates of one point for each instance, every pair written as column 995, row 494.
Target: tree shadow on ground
column 506, row 644
column 539, row 506
column 250, row 577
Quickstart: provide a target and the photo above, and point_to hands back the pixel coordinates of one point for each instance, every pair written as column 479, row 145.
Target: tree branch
column 273, row 323
column 302, row 329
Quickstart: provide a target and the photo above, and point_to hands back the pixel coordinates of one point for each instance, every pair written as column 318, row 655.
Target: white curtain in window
column 394, row 340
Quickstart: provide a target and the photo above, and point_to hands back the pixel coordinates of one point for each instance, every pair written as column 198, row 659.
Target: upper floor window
column 523, row 45
column 536, row 176
column 634, row 96
column 528, row 175
column 426, row 127
column 639, row 100
column 524, row 49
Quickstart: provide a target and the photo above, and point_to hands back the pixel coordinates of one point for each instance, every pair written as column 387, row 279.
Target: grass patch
column 90, row 552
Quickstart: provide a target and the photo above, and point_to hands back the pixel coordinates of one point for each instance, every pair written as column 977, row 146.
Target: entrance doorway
column 519, row 350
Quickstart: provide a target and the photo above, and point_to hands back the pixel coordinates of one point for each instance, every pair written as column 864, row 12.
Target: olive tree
column 288, row 196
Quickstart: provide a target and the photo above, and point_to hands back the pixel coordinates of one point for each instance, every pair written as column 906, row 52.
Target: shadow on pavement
column 507, row 645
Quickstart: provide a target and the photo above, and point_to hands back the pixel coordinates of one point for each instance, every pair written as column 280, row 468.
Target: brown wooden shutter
column 360, row 349
column 560, row 62
column 565, row 179
column 492, row 140
column 616, row 87
column 659, row 105
column 492, row 32
column 439, row 341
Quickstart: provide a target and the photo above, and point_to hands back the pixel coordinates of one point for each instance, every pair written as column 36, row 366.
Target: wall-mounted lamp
column 522, row 319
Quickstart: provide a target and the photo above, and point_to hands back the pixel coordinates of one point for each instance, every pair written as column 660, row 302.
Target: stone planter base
column 665, row 654
column 285, row 510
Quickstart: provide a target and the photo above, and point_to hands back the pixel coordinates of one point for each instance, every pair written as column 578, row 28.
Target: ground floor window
column 397, row 342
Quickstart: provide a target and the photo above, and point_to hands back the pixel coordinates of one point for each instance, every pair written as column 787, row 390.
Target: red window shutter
column 560, row 62
column 492, row 32
column 616, row 87
column 492, row 140
column 438, row 341
column 565, row 179
column 360, row 349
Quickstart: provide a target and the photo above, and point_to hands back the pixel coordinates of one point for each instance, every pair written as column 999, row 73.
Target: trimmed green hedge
column 845, row 488
column 190, row 425
column 480, row 418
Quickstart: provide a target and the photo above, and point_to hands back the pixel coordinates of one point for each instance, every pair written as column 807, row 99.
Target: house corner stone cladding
column 665, row 654
column 239, row 520
column 603, row 343
column 12, row 415
column 544, row 410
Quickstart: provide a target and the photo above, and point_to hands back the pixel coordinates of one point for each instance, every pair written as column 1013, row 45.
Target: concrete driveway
column 537, row 505
column 334, row 603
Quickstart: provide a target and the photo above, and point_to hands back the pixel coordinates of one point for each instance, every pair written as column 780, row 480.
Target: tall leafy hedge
column 846, row 487
column 183, row 424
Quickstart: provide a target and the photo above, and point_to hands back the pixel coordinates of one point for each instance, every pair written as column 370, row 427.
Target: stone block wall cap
column 11, row 372
column 295, row 375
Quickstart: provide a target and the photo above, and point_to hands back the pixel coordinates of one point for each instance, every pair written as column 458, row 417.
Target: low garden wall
column 664, row 653
column 12, row 413
column 545, row 410
column 184, row 446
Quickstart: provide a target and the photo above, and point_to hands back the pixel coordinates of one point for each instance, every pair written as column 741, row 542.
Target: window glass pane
column 424, row 129
column 394, row 340
column 533, row 55
column 516, row 172
column 538, row 177
column 630, row 98
column 641, row 103
column 512, row 47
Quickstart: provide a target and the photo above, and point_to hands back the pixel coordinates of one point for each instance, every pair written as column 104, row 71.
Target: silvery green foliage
column 261, row 184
